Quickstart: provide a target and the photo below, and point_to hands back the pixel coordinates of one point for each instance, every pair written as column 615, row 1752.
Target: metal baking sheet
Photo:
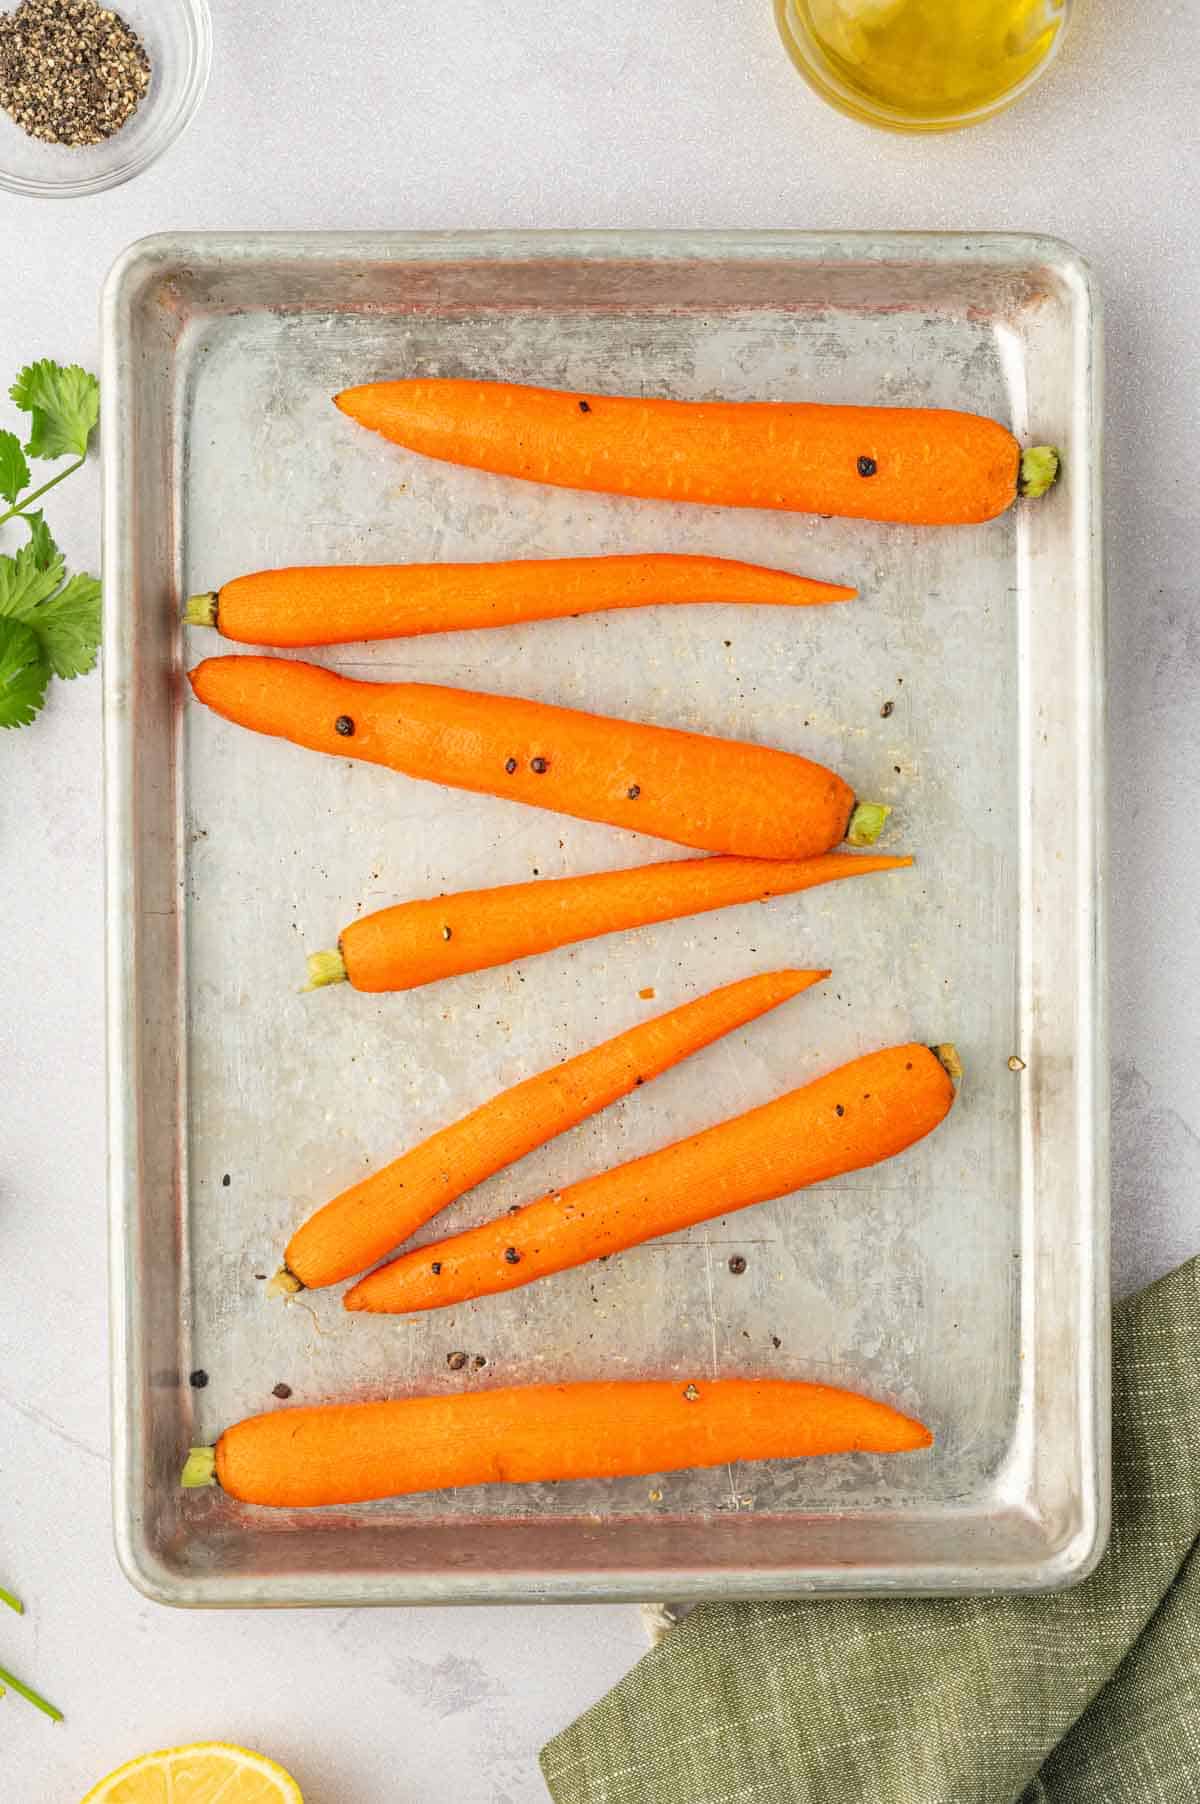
column 967, row 1280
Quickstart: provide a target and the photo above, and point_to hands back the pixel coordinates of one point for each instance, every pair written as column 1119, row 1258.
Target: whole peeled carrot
column 337, row 604
column 368, row 1220
column 719, row 795
column 357, row 1452
column 917, row 465
column 420, row 942
column 857, row 1116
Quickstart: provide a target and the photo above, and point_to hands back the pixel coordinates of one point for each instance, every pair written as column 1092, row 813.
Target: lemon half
column 207, row 1772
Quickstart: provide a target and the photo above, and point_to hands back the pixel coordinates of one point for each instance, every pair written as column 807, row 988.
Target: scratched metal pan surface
column 967, row 1280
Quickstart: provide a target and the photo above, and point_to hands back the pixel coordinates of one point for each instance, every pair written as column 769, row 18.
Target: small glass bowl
column 834, row 79
column 178, row 39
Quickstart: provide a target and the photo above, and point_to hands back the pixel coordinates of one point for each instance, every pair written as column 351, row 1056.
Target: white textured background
column 535, row 112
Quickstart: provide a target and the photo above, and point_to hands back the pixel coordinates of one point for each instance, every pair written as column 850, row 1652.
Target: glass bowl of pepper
column 91, row 93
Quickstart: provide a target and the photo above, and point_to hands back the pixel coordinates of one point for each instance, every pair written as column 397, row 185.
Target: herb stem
column 13, row 1602
column 18, row 507
column 31, row 1696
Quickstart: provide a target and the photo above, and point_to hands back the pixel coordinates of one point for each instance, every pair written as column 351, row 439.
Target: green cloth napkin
column 1090, row 1696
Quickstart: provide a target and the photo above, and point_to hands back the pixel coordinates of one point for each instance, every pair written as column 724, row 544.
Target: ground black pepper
column 71, row 72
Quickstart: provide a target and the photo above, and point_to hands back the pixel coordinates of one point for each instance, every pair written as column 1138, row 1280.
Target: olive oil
column 921, row 65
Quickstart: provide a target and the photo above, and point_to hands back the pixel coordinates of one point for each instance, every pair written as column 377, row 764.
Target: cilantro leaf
column 65, row 619
column 41, row 543
column 68, row 626
column 14, row 471
column 23, row 586
column 63, row 405
column 24, row 673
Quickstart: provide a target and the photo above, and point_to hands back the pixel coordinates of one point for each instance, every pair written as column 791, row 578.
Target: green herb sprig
column 7, row 1679
column 49, row 621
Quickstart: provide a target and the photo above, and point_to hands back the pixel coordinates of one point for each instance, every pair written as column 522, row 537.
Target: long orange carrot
column 867, row 1111
column 921, row 466
column 337, row 604
column 368, row 1220
column 357, row 1452
column 415, row 943
column 719, row 795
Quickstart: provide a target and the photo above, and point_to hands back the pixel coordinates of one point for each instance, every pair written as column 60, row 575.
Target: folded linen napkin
column 1089, row 1696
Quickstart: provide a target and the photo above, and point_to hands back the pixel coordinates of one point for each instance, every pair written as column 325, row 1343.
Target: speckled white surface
column 526, row 112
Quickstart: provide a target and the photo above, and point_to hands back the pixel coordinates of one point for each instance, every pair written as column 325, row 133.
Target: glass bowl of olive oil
column 922, row 65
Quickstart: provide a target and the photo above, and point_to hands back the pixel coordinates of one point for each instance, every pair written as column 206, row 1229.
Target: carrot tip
column 867, row 823
column 1040, row 466
column 285, row 1284
column 947, row 1056
column 201, row 610
column 200, row 1469
column 324, row 968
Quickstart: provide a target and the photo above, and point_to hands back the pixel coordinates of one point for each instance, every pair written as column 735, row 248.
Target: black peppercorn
column 71, row 72
column 839, row 1110
column 737, row 1265
column 510, row 765
column 540, row 765
column 282, row 1391
column 436, row 1267
column 585, row 407
column 635, row 790
column 867, row 466
column 344, row 725
column 512, row 1256
column 456, row 1361
column 198, row 1379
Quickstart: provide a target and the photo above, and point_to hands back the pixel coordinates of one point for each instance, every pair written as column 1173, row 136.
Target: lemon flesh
column 207, row 1772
